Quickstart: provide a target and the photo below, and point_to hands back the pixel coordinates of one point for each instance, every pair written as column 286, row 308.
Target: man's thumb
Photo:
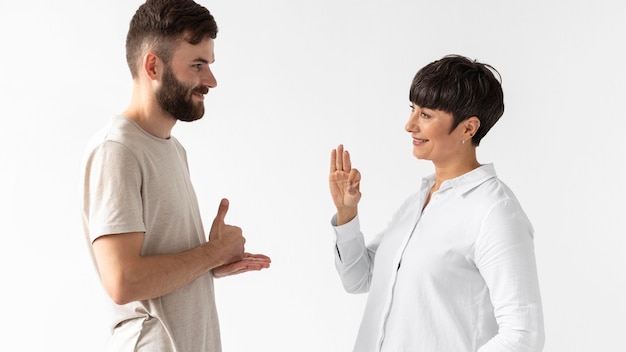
column 222, row 210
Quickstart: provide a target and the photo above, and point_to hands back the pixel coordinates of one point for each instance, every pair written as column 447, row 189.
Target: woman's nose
column 412, row 125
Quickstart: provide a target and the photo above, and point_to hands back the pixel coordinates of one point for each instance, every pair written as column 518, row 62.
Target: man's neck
column 150, row 117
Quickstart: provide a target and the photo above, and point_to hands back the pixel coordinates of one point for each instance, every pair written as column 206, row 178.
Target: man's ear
column 151, row 65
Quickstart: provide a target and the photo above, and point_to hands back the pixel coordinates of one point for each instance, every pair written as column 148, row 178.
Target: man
column 140, row 212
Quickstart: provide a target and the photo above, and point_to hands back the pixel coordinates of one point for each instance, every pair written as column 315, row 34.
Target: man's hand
column 250, row 262
column 226, row 241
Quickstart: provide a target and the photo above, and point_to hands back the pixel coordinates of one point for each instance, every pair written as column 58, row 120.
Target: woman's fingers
column 347, row 165
column 333, row 161
column 340, row 160
column 354, row 181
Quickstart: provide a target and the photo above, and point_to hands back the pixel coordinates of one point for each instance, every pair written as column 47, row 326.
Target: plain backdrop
column 296, row 78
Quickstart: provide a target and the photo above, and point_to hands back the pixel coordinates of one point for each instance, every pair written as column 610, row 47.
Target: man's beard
column 175, row 98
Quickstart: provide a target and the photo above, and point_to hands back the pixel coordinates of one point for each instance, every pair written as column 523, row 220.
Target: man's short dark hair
column 158, row 25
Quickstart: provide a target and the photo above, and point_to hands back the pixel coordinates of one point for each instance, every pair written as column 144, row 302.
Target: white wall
column 295, row 78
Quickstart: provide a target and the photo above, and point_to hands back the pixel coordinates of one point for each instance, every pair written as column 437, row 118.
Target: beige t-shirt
column 135, row 182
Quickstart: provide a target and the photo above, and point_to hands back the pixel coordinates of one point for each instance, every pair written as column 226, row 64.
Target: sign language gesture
column 229, row 243
column 344, row 185
column 227, row 239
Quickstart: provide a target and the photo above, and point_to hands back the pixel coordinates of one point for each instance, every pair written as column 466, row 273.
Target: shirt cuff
column 348, row 231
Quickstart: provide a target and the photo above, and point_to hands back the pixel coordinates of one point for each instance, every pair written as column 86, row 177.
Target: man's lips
column 200, row 92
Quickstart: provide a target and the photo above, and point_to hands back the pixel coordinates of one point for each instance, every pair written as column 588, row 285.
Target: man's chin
column 191, row 115
column 189, row 118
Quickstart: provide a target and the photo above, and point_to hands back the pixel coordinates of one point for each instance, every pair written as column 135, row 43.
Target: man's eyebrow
column 204, row 61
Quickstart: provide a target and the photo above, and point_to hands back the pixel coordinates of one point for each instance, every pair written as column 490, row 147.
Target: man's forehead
column 202, row 51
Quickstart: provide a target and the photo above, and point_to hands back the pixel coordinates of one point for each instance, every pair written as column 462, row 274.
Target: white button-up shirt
column 459, row 276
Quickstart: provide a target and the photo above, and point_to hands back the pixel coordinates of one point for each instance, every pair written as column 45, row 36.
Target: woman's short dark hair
column 462, row 87
column 159, row 24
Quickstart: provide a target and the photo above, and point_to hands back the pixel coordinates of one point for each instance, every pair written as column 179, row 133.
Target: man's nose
column 209, row 79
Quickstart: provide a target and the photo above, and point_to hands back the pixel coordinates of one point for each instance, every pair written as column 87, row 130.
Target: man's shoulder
column 115, row 136
column 119, row 130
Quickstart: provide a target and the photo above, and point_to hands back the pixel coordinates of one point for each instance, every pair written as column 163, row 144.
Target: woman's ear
column 472, row 124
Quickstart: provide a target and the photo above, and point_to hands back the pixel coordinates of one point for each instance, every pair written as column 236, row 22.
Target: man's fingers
column 263, row 257
column 249, row 262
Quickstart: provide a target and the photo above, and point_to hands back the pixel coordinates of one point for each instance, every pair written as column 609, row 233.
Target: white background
column 295, row 78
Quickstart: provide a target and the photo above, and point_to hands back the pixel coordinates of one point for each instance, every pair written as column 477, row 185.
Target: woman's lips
column 419, row 141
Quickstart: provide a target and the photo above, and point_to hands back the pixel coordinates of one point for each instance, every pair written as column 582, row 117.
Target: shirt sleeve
column 112, row 201
column 506, row 260
column 353, row 260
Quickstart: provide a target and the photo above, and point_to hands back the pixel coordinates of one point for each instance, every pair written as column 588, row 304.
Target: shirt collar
column 467, row 181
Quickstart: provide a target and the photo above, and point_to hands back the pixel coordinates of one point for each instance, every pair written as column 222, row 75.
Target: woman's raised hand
column 344, row 185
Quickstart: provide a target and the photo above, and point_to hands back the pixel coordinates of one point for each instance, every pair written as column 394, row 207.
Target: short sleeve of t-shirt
column 112, row 195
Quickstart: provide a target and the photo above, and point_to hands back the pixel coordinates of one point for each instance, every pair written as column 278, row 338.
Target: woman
column 455, row 269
